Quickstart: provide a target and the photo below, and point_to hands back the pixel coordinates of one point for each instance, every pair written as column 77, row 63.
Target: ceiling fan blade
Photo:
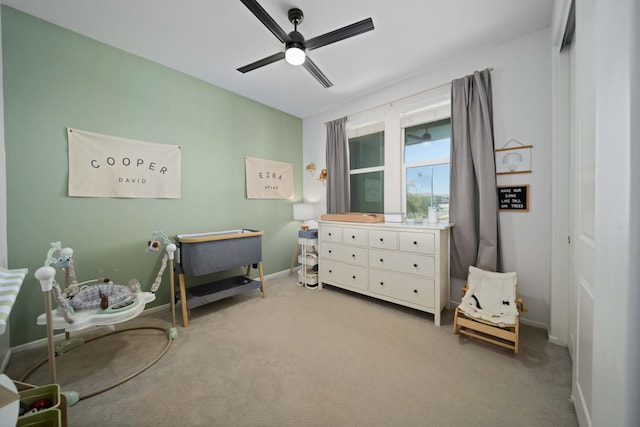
column 266, row 20
column 262, row 62
column 315, row 72
column 340, row 34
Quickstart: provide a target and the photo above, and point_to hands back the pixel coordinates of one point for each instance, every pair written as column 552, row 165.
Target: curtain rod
column 404, row 97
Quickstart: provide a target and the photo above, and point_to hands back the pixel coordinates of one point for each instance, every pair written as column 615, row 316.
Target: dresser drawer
column 330, row 234
column 337, row 273
column 422, row 265
column 383, row 239
column 423, row 243
column 417, row 290
column 354, row 236
column 344, row 253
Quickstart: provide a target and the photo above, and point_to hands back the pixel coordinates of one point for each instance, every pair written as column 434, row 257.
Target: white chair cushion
column 491, row 296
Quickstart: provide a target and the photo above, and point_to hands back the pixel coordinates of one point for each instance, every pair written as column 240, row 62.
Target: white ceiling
column 210, row 39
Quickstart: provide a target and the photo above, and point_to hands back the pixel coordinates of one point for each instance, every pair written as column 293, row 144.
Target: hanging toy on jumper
column 154, row 246
column 170, row 249
column 65, row 309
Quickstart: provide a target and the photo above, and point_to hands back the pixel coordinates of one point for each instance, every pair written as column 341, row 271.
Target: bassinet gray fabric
column 198, row 259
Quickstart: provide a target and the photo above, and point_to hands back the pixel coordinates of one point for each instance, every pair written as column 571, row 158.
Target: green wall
column 55, row 79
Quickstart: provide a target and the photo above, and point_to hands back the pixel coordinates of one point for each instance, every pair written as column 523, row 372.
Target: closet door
column 583, row 242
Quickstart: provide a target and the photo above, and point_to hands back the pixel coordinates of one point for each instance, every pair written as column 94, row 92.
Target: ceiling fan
column 295, row 44
column 426, row 136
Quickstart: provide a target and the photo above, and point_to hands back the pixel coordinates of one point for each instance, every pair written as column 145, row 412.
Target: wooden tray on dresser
column 354, row 217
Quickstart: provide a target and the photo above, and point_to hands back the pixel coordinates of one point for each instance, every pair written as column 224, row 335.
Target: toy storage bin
column 28, row 397
column 46, row 418
column 308, row 234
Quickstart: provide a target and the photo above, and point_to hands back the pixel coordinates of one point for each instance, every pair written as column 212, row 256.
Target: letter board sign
column 513, row 198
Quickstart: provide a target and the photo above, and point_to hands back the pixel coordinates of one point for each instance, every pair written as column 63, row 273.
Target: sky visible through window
column 419, row 179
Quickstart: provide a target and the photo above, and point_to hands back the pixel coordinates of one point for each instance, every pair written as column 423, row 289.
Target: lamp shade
column 304, row 211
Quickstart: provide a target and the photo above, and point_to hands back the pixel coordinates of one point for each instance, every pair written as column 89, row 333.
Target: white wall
column 522, row 111
column 616, row 346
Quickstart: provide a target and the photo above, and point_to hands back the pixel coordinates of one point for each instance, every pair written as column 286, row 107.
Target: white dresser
column 407, row 264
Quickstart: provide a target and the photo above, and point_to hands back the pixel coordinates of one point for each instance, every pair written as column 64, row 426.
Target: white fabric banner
column 109, row 166
column 268, row 179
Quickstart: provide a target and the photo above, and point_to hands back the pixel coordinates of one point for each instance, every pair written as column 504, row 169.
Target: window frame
column 364, row 129
column 424, row 116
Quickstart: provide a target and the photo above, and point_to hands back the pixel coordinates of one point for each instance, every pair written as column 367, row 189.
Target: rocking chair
column 490, row 308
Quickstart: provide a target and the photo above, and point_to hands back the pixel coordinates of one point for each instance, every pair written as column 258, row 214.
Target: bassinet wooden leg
column 264, row 289
column 183, row 301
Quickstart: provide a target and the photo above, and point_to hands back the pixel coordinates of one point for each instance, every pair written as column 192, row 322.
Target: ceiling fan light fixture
column 294, row 54
column 295, row 43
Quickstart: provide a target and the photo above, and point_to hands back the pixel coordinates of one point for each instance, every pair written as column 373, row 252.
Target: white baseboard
column 535, row 324
column 147, row 311
column 277, row 274
column 557, row 341
column 42, row 342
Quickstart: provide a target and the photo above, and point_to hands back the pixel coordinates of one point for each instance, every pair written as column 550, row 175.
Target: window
column 366, row 165
column 427, row 150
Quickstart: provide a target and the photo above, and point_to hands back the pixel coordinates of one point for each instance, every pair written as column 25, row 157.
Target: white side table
column 308, row 258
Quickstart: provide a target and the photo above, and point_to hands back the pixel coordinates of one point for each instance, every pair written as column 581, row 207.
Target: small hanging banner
column 514, row 159
column 268, row 179
column 109, row 166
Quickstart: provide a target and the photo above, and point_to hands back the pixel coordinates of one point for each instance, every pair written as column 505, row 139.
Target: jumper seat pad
column 491, row 296
column 89, row 298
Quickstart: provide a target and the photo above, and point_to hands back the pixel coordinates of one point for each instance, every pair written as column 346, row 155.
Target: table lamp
column 303, row 212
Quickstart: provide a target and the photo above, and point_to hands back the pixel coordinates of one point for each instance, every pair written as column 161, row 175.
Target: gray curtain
column 474, row 201
column 337, row 167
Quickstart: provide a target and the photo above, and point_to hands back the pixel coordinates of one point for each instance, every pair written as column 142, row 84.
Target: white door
column 583, row 242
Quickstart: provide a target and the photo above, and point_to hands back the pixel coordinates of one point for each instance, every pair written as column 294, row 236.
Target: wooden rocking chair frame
column 504, row 335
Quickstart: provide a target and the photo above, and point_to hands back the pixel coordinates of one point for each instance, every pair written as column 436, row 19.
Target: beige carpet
column 305, row 357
